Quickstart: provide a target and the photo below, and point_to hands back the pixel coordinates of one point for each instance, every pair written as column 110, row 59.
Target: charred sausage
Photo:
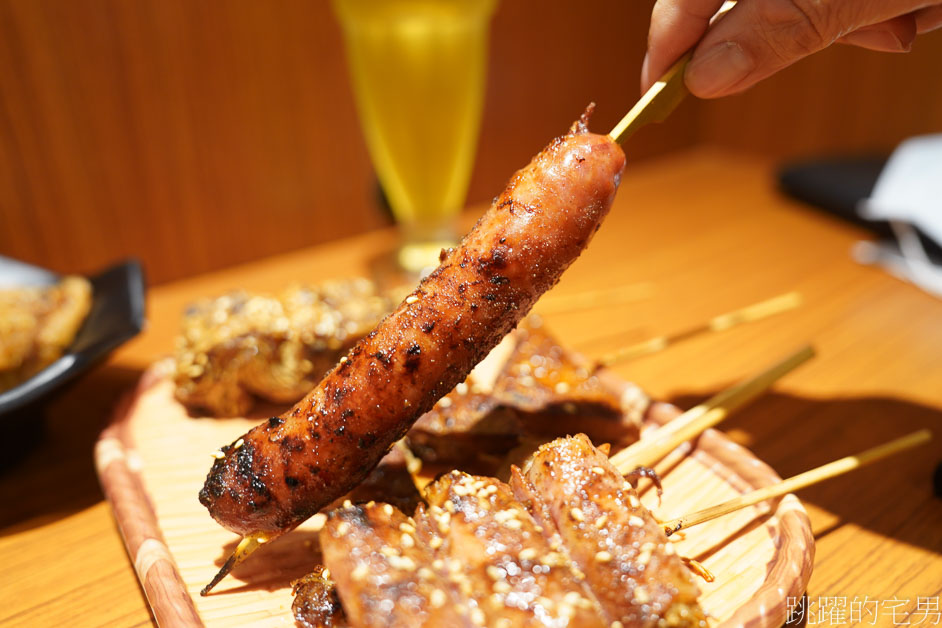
column 286, row 469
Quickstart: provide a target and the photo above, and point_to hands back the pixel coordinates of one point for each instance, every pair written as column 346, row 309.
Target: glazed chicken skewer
column 550, row 548
column 560, row 491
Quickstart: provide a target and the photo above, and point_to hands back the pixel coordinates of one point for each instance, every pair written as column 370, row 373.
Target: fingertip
column 676, row 26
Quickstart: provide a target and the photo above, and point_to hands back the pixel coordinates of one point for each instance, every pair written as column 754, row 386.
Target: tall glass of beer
column 418, row 69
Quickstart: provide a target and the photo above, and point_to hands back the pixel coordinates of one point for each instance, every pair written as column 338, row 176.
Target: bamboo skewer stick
column 656, row 103
column 750, row 313
column 413, row 466
column 802, row 480
column 662, row 97
column 248, row 544
column 691, row 423
column 564, row 304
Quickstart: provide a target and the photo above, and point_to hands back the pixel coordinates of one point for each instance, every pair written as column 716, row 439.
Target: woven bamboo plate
column 153, row 458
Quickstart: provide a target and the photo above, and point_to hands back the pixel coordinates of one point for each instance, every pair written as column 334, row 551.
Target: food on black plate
column 37, row 324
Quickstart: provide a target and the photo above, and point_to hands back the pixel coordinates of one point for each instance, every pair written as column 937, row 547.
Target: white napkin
column 908, row 194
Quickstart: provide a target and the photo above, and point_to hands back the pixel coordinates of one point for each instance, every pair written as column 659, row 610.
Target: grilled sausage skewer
column 286, row 469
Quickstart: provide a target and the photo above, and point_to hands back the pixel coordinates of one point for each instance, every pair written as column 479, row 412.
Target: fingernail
column 721, row 67
column 883, row 40
column 644, row 73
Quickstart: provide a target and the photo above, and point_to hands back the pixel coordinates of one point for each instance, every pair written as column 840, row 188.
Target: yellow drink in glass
column 418, row 69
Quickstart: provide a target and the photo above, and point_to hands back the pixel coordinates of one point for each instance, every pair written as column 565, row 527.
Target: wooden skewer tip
column 246, row 546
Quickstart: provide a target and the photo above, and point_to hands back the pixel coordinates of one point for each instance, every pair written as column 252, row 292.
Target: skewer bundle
column 569, row 495
column 552, row 547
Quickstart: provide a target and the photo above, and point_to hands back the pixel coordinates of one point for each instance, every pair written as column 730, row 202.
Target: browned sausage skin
column 286, row 469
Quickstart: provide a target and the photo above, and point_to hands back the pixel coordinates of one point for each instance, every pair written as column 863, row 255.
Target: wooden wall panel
column 196, row 135
column 841, row 100
column 193, row 135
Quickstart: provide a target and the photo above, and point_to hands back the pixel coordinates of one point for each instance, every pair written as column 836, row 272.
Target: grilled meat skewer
column 629, row 563
column 567, row 543
column 512, row 574
column 286, row 469
column 386, row 577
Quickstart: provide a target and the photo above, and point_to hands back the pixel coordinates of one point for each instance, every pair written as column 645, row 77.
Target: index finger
column 676, row 26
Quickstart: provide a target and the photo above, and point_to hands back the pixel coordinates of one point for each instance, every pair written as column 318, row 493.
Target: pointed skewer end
column 246, row 546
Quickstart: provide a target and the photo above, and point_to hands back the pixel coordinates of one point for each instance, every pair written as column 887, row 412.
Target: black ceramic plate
column 116, row 315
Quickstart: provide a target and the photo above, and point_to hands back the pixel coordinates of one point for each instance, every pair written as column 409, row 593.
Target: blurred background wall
column 196, row 135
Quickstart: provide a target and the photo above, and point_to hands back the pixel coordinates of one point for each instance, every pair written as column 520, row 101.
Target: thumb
column 760, row 37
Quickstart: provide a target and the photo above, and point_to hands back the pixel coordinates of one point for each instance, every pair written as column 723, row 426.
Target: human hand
column 760, row 37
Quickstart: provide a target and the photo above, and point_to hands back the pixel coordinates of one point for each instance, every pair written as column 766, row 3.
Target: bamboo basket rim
column 167, row 593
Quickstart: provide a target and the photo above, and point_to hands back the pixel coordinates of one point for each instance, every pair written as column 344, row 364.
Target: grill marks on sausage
column 383, row 358
column 496, row 260
column 245, row 466
column 339, row 393
column 367, row 441
column 413, row 357
column 291, row 444
column 253, row 488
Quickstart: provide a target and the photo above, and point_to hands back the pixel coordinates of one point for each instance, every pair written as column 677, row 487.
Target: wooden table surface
column 711, row 233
